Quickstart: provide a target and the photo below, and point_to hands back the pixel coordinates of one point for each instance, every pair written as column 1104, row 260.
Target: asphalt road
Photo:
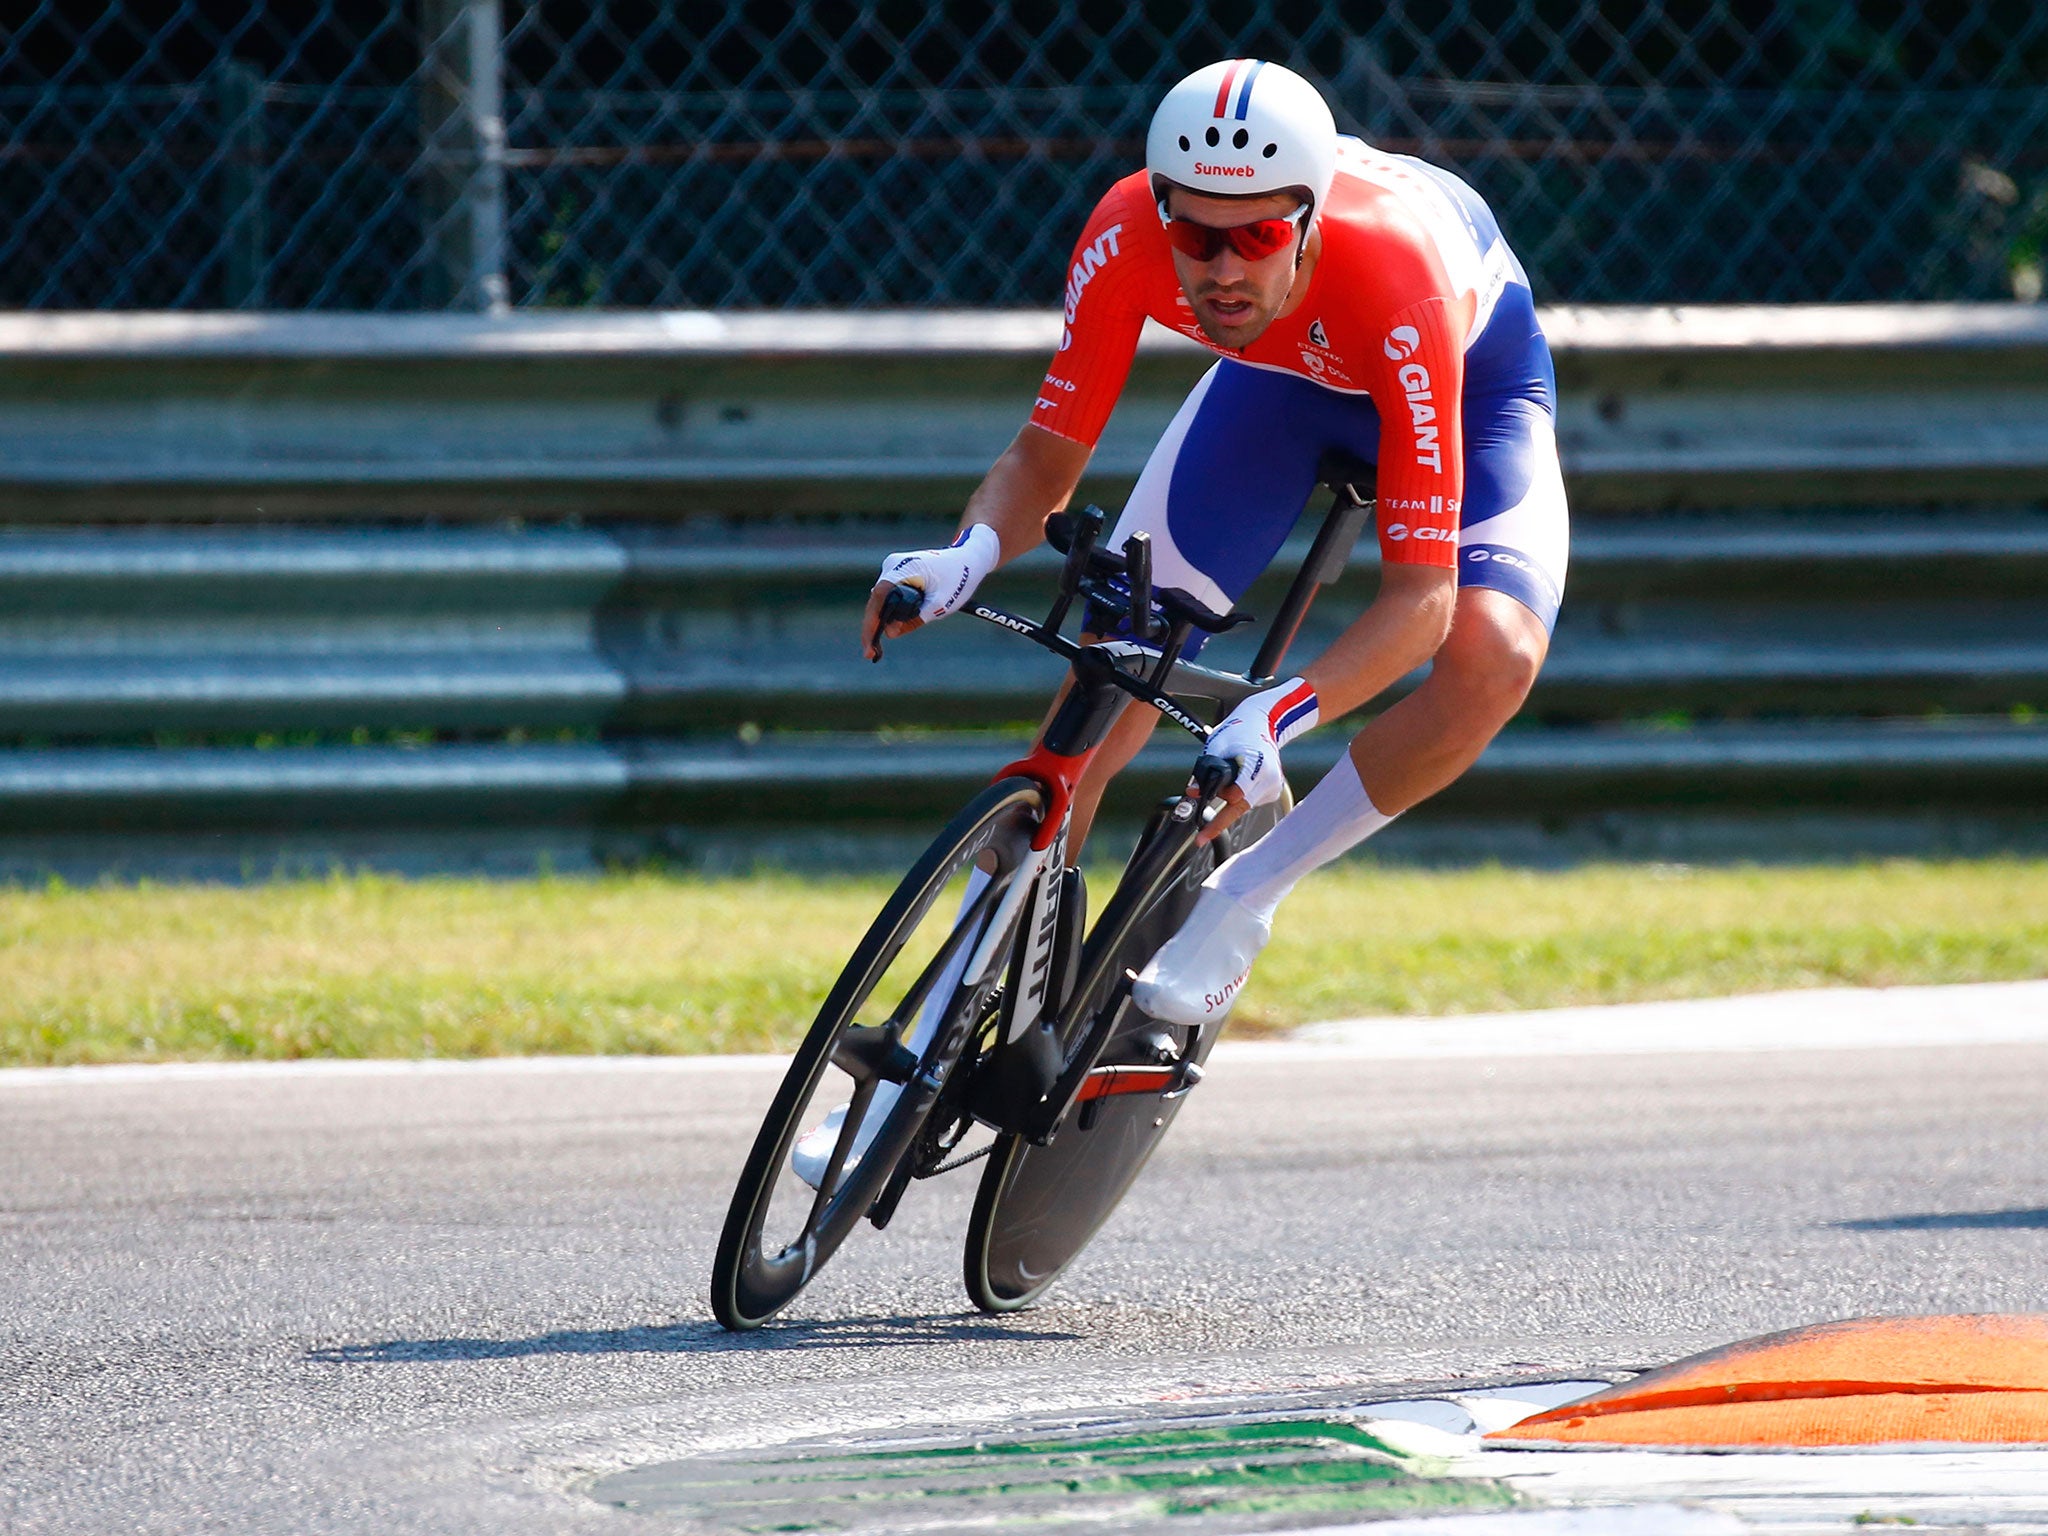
column 353, row 1300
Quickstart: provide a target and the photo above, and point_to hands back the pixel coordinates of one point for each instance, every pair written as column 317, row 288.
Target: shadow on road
column 695, row 1338
column 1945, row 1221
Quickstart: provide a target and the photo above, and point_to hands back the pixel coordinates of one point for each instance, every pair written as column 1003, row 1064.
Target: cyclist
column 1357, row 300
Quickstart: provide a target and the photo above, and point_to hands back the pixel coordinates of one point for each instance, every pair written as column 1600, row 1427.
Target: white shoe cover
column 812, row 1154
column 1197, row 974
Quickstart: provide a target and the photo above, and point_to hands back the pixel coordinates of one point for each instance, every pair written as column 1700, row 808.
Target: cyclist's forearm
column 1034, row 478
column 1403, row 628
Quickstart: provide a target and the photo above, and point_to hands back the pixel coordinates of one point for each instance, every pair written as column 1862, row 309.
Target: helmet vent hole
column 1213, row 136
column 1239, row 139
column 1269, row 151
column 1183, row 141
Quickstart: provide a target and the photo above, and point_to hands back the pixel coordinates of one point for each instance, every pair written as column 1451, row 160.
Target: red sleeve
column 1104, row 313
column 1418, row 383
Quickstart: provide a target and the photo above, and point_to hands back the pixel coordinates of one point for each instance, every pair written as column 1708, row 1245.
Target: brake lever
column 1213, row 775
column 903, row 604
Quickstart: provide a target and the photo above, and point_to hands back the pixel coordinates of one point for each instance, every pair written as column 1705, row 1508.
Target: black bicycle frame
column 1091, row 705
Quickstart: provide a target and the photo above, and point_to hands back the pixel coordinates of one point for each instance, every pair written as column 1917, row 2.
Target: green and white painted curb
column 1209, row 1477
column 1389, row 1468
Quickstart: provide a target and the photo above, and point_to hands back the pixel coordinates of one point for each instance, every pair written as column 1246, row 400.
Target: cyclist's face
column 1234, row 300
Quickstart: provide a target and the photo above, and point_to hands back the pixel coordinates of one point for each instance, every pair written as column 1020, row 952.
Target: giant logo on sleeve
column 1402, row 343
column 1093, row 256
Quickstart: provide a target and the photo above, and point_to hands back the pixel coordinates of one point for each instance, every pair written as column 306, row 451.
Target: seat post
column 1327, row 557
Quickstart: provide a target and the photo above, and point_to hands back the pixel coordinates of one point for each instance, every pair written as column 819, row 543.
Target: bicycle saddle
column 1342, row 470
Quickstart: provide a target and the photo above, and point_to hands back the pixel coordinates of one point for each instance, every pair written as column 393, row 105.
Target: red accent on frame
column 1107, row 1082
column 1059, row 775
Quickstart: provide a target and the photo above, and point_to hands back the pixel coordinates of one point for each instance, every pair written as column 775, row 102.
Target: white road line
column 1632, row 1520
column 219, row 1071
column 1833, row 1019
column 1825, row 1019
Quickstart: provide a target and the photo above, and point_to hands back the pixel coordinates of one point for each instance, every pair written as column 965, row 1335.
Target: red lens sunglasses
column 1254, row 241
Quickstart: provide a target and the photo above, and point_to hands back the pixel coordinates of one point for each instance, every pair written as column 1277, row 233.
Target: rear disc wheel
column 1038, row 1206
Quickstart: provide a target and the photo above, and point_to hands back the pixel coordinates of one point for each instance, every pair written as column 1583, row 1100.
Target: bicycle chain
column 961, row 1162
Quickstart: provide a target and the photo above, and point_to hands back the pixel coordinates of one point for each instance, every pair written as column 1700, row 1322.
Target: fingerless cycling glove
column 947, row 577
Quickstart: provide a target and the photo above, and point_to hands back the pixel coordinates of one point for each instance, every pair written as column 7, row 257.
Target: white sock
column 1338, row 814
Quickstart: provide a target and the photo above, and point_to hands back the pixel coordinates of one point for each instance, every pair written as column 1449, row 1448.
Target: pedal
column 892, row 1192
column 873, row 1051
column 1153, row 1045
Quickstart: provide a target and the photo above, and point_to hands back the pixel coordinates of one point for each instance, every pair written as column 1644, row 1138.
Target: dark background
column 826, row 152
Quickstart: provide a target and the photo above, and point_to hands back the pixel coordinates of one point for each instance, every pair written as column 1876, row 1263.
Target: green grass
column 364, row 966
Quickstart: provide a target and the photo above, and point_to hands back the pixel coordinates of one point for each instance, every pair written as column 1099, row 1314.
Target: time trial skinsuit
column 1415, row 348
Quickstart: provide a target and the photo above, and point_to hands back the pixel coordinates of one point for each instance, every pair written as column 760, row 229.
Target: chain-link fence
column 349, row 154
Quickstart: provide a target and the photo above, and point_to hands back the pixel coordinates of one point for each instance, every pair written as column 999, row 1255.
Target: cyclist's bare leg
column 1131, row 731
column 1481, row 674
column 1479, row 678
column 1478, row 681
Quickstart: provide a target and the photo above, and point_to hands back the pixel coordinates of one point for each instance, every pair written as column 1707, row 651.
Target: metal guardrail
column 113, row 633
column 232, row 415
column 1610, row 767
column 324, row 605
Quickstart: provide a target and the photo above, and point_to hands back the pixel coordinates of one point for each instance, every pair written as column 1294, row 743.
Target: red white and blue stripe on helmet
column 1293, row 708
column 1244, row 88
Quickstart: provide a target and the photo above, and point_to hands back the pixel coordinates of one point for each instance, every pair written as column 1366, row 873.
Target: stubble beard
column 1243, row 332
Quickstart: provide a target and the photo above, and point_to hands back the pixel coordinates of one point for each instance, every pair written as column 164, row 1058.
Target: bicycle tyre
column 749, row 1286
column 1037, row 1206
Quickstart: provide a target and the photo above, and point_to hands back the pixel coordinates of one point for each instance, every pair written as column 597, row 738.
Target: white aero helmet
column 1241, row 127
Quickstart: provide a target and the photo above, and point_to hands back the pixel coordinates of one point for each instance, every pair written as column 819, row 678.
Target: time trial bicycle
column 981, row 1018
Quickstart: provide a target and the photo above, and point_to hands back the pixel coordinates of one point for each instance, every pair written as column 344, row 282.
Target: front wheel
column 780, row 1229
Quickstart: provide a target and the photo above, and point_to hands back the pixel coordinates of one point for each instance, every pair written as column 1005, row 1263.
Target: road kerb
column 1970, row 1380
